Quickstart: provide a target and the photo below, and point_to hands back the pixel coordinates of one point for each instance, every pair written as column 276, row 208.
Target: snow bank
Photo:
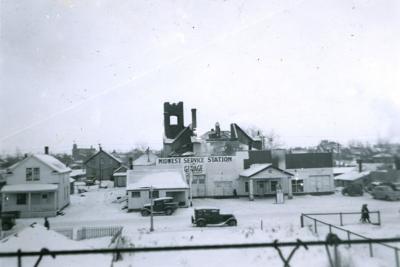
column 37, row 237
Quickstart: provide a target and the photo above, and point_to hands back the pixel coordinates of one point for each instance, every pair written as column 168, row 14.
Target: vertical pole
column 371, row 253
column 348, row 237
column 19, row 258
column 151, row 209
column 379, row 217
column 335, row 251
column 315, row 226
column 190, row 188
column 301, row 221
column 330, row 228
column 261, row 225
column 396, row 256
column 341, row 219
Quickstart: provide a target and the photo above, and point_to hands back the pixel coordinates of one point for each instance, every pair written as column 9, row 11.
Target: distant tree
column 270, row 140
column 10, row 160
column 64, row 158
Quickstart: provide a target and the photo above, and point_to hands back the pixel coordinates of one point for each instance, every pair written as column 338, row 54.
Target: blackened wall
column 171, row 131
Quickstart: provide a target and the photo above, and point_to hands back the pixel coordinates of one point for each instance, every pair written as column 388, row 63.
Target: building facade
column 37, row 186
column 102, row 165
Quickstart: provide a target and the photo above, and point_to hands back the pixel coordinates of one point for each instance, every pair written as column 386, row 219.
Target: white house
column 37, row 186
column 164, row 183
column 265, row 179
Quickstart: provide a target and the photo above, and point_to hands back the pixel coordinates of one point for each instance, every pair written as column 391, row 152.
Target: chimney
column 46, row 150
column 359, row 162
column 217, row 130
column 194, row 119
column 130, row 163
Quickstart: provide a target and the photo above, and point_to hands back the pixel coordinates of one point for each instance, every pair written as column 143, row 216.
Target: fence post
column 348, row 237
column 379, row 217
column 396, row 255
column 301, row 221
column 315, row 226
column 341, row 219
column 371, row 253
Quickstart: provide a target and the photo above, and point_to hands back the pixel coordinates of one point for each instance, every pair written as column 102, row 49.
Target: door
column 199, row 186
column 261, row 188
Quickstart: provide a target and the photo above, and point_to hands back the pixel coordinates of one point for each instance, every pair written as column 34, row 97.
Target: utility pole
column 151, row 209
column 100, row 171
column 190, row 184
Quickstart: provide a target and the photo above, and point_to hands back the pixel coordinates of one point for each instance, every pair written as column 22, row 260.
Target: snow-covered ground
column 279, row 221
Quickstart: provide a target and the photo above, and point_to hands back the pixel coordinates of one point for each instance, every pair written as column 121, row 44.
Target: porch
column 30, row 200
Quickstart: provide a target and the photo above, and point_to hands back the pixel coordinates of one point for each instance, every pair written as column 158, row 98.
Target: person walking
column 365, row 214
column 46, row 223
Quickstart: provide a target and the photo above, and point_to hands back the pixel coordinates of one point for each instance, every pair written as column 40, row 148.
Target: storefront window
column 297, row 186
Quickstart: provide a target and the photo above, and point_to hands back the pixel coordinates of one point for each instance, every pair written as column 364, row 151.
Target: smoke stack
column 217, row 130
column 130, row 163
column 194, row 119
column 46, row 150
column 359, row 162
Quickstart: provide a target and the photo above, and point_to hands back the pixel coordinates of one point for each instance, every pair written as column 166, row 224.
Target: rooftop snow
column 254, row 168
column 157, row 178
column 52, row 162
column 352, row 176
column 77, row 172
column 28, row 188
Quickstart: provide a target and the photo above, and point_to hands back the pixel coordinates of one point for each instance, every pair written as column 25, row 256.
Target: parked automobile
column 211, row 216
column 353, row 190
column 385, row 192
column 8, row 219
column 162, row 205
column 90, row 181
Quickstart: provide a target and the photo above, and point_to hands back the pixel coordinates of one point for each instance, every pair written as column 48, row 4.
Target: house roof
column 28, row 188
column 77, row 173
column 341, row 170
column 160, row 179
column 146, row 159
column 352, row 176
column 257, row 168
column 48, row 160
column 105, row 152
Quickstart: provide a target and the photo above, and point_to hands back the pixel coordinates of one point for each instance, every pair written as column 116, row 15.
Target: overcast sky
column 99, row 71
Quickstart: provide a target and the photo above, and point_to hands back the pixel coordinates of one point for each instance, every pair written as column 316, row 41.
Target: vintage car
column 211, row 216
column 353, row 190
column 162, row 205
column 385, row 192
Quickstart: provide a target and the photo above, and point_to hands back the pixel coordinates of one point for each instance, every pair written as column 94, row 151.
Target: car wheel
column 232, row 223
column 201, row 223
column 168, row 211
column 145, row 213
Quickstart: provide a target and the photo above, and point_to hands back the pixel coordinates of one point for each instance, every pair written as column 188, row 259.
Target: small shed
column 352, row 177
column 164, row 183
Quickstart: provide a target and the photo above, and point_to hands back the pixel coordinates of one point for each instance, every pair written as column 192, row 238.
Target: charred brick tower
column 173, row 119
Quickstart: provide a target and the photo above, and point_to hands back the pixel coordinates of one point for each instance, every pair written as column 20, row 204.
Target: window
column 155, row 194
column 21, row 199
column 246, row 187
column 135, row 194
column 173, row 120
column 29, row 174
column 44, row 196
column 297, row 186
column 36, row 174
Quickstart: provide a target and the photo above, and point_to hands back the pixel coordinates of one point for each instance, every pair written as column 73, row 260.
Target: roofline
column 44, row 162
column 105, row 152
column 291, row 174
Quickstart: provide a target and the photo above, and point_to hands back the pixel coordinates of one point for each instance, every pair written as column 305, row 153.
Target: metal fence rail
column 276, row 245
column 350, row 233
